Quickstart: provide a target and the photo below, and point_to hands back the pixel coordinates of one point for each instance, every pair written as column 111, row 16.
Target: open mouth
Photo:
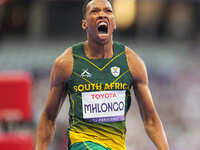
column 102, row 28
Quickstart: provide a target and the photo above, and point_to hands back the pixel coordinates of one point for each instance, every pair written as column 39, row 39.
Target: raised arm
column 151, row 120
column 60, row 73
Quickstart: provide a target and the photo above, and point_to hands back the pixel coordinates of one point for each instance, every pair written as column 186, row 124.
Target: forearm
column 45, row 133
column 157, row 134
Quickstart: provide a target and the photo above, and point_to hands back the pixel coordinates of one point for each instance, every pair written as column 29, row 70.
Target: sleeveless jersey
column 99, row 94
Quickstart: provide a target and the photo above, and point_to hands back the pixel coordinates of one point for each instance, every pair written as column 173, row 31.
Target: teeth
column 102, row 24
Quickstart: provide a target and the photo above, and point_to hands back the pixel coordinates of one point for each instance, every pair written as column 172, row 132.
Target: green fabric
column 99, row 74
column 87, row 146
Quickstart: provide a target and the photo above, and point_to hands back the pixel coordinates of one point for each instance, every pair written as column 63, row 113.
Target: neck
column 99, row 50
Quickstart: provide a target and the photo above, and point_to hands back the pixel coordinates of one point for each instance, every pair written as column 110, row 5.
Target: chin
column 103, row 41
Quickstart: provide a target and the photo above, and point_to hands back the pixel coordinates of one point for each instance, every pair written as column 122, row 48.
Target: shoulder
column 132, row 56
column 63, row 65
column 136, row 65
column 65, row 57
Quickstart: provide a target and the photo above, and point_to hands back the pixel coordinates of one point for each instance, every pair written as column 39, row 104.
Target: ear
column 84, row 24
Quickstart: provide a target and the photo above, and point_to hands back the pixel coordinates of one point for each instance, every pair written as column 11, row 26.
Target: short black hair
column 85, row 2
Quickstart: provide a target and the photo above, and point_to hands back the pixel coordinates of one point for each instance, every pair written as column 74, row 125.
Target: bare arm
column 57, row 94
column 152, row 123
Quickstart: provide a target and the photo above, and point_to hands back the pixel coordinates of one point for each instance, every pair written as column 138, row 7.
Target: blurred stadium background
column 165, row 33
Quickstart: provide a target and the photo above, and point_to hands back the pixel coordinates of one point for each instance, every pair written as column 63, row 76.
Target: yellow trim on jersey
column 72, row 101
column 120, row 76
column 99, row 86
column 82, row 77
column 86, row 146
column 95, row 64
column 109, row 140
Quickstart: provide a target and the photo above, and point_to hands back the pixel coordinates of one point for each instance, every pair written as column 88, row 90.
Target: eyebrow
column 100, row 8
column 95, row 8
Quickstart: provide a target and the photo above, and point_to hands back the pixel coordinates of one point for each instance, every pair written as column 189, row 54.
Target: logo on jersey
column 115, row 71
column 85, row 73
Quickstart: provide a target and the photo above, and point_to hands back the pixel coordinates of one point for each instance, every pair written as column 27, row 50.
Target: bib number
column 103, row 106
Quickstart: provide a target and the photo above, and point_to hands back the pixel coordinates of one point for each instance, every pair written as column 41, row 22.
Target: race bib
column 103, row 106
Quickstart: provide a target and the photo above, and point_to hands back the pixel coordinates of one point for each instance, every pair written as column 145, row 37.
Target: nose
column 102, row 15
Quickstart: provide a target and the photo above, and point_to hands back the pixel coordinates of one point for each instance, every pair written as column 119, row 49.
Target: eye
column 94, row 11
column 109, row 10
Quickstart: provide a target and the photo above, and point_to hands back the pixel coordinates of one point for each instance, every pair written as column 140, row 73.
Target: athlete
column 98, row 74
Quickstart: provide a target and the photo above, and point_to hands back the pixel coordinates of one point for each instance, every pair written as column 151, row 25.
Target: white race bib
column 103, row 106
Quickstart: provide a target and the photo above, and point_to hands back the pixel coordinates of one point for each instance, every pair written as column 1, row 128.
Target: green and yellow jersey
column 99, row 93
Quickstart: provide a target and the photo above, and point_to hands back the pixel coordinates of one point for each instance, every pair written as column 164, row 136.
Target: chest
column 100, row 75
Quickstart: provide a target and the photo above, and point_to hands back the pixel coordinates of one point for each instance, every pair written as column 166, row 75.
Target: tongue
column 102, row 29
